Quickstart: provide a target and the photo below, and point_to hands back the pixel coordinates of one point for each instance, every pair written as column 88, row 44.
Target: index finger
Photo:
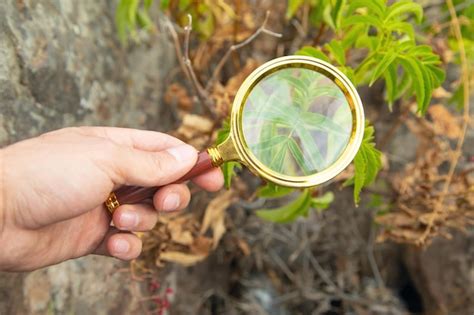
column 145, row 140
column 212, row 180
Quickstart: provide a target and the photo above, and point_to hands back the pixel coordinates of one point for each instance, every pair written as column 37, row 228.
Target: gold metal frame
column 235, row 147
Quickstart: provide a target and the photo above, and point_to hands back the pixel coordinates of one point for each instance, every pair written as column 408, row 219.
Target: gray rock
column 62, row 65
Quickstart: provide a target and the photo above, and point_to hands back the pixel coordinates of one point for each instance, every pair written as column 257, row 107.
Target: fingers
column 142, row 168
column 136, row 217
column 122, row 245
column 172, row 197
column 212, row 180
column 133, row 138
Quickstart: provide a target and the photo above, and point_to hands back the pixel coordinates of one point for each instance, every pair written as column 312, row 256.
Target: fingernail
column 121, row 246
column 128, row 220
column 182, row 152
column 171, row 202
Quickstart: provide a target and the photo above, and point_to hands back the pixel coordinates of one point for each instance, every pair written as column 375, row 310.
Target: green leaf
column 297, row 154
column 337, row 13
column 337, row 51
column 164, row 4
column 362, row 19
column 323, row 201
column 132, row 13
column 437, row 75
column 312, row 52
column 271, row 190
column 143, row 19
column 391, row 83
column 402, row 28
column 412, row 67
column 228, row 169
column 367, row 163
column 403, row 7
column 375, row 6
column 293, row 6
column 288, row 212
column 382, row 66
column 307, row 141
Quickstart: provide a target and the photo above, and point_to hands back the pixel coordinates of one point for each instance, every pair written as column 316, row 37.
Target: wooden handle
column 136, row 194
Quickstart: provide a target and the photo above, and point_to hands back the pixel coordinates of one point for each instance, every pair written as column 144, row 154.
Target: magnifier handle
column 136, row 194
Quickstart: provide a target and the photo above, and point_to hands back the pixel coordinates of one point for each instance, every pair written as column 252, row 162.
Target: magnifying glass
column 296, row 121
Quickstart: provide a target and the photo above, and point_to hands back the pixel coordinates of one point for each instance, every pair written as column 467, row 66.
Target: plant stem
column 248, row 40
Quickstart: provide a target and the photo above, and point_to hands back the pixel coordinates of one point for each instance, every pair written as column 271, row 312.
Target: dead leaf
column 214, row 216
column 440, row 92
column 201, row 245
column 180, row 258
column 176, row 94
column 445, row 124
column 195, row 130
column 396, row 219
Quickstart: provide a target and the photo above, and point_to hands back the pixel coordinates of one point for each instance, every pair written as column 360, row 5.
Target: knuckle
column 159, row 165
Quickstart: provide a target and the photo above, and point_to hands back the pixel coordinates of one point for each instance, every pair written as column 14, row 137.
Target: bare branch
column 248, row 40
column 177, row 47
column 186, row 66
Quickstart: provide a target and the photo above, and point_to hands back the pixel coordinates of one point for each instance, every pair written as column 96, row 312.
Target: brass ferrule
column 216, row 157
column 112, row 203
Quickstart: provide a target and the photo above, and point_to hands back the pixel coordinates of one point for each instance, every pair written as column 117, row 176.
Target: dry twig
column 248, row 40
column 186, row 65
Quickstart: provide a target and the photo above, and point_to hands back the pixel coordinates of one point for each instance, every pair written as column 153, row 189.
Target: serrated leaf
column 404, row 7
column 437, row 75
column 288, row 212
column 382, row 66
column 367, row 163
column 412, row 68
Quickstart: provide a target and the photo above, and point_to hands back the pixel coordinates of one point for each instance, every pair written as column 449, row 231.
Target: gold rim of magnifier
column 352, row 97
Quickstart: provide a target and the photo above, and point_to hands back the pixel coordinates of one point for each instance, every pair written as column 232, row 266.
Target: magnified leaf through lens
column 297, row 121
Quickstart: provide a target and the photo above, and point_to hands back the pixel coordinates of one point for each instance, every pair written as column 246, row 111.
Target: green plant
column 130, row 16
column 383, row 34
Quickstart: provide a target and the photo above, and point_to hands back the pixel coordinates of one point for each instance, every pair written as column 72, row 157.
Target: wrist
column 3, row 196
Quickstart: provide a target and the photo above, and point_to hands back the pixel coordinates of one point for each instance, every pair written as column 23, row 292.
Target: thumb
column 144, row 168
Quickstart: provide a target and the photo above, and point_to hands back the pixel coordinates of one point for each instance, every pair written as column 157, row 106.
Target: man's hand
column 53, row 188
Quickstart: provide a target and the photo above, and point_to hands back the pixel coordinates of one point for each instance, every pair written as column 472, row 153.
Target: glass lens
column 296, row 121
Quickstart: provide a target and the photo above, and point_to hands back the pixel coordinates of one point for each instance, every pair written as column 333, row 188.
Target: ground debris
column 423, row 210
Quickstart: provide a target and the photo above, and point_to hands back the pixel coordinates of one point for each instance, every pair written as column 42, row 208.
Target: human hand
column 52, row 190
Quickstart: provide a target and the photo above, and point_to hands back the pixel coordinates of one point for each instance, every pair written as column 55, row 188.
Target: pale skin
column 53, row 188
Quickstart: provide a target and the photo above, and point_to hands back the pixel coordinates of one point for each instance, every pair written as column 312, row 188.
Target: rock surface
column 62, row 65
